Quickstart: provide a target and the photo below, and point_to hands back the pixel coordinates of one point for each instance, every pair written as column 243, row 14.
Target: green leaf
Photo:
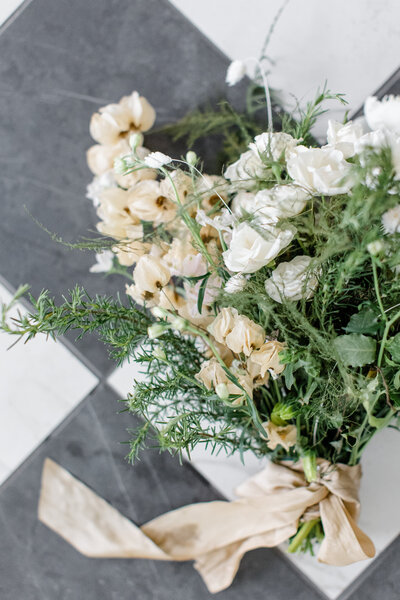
column 355, row 350
column 365, row 321
column 393, row 345
column 202, row 291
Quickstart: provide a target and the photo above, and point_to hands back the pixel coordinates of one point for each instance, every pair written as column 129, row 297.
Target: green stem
column 376, row 286
column 385, row 336
column 302, row 533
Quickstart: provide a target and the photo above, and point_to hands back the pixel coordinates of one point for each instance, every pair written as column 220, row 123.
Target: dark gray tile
column 36, row 564
column 59, row 61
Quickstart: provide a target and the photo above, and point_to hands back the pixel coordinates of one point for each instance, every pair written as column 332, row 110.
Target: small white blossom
column 156, row 160
column 98, row 184
column 235, row 73
column 104, row 262
column 292, row 280
column 391, row 220
column 383, row 113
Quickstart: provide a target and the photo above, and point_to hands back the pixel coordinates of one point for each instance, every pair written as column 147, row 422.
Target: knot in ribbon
column 215, row 534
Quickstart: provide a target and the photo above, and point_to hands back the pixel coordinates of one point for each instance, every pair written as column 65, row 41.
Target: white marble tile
column 380, row 491
column 7, row 7
column 41, row 382
column 352, row 45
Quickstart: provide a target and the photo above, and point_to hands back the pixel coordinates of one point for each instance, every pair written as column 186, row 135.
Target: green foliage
column 355, row 349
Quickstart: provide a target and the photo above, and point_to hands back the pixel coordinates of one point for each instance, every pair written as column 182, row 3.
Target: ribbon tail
column 88, row 522
column 344, row 542
column 219, row 567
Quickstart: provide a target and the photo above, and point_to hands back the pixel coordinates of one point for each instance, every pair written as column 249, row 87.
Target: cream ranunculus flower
column 246, row 171
column 273, row 146
column 212, row 374
column 292, row 280
column 383, row 114
column 270, row 205
column 320, row 170
column 245, row 336
column 223, row 324
column 249, row 251
column 344, row 137
column 151, row 274
column 116, row 219
column 267, row 358
column 115, row 121
column 278, row 435
column 147, row 203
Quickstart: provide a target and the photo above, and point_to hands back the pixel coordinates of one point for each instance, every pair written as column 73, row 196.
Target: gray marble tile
column 36, row 564
column 60, row 61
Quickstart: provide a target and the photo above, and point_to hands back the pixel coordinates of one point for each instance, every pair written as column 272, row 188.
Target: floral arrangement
column 263, row 302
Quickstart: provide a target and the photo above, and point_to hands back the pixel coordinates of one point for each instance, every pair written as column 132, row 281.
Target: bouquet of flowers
column 263, row 303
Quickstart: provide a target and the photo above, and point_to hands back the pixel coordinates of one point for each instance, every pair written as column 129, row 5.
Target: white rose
column 319, row 170
column 273, row 145
column 383, row 113
column 292, row 280
column 270, row 205
column 245, row 172
column 382, row 138
column 344, row 137
column 249, row 251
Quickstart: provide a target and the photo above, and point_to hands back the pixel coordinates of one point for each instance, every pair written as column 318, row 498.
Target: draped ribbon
column 216, row 534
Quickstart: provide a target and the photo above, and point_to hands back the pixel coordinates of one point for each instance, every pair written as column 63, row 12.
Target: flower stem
column 302, row 533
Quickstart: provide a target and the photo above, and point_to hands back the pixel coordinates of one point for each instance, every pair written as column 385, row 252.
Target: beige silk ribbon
column 214, row 534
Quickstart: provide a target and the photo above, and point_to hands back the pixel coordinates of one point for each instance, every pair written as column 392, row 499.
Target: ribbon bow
column 216, row 534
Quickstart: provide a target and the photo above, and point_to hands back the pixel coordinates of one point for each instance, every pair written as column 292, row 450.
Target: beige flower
column 151, row 274
column 179, row 250
column 128, row 180
column 170, row 299
column 212, row 374
column 101, row 158
column 180, row 185
column 209, row 191
column 129, row 253
column 255, row 371
column 117, row 121
column 277, row 435
column 245, row 336
column 147, row 202
column 116, row 219
column 141, row 297
column 223, row 324
column 267, row 357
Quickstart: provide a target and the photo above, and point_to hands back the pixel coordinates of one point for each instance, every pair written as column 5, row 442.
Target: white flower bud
column 236, row 71
column 160, row 313
column 191, row 158
column 156, row 330
column 375, row 247
column 136, row 140
column 159, row 353
column 179, row 323
column 222, row 391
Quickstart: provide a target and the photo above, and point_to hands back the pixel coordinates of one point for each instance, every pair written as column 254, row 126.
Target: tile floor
column 61, row 400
